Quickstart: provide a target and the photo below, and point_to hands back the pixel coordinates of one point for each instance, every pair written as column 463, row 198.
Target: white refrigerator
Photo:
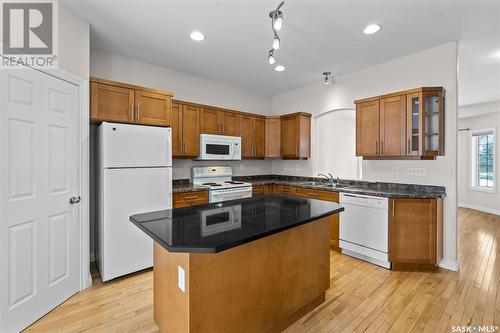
column 134, row 176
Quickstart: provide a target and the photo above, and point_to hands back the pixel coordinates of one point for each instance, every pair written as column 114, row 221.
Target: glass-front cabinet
column 424, row 127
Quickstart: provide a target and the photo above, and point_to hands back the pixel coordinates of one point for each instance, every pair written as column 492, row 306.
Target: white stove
column 220, row 183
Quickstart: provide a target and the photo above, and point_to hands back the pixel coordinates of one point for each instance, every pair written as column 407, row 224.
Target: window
column 483, row 159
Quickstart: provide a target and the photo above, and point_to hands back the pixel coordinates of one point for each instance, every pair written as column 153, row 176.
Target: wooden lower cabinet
column 260, row 189
column 320, row 195
column 415, row 233
column 186, row 199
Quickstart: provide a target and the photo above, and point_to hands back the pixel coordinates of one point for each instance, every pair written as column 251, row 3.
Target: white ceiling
column 316, row 36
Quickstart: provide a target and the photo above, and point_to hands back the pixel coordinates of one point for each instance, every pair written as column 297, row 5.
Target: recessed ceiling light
column 197, row 36
column 371, row 29
column 279, row 68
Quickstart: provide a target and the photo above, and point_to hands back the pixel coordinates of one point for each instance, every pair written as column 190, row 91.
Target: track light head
column 328, row 77
column 270, row 57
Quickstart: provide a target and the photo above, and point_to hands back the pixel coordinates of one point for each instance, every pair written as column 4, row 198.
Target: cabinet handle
column 382, row 148
column 138, row 112
column 376, row 147
column 190, row 197
column 409, row 150
column 132, row 112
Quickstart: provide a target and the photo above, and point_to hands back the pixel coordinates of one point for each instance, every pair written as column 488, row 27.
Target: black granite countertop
column 378, row 189
column 220, row 226
column 184, row 185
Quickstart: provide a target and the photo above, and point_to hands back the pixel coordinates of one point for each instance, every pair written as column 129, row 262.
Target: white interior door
column 39, row 249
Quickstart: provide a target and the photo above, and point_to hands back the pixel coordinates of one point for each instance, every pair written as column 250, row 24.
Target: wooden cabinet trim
column 129, row 86
column 403, row 92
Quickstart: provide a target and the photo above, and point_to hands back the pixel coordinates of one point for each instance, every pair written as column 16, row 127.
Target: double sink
column 323, row 184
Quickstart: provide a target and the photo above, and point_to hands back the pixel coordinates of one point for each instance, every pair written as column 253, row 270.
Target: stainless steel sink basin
column 324, row 184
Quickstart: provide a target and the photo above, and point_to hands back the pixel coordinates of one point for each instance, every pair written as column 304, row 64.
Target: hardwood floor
column 362, row 297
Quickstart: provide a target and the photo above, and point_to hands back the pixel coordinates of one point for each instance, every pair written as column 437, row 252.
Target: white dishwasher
column 364, row 228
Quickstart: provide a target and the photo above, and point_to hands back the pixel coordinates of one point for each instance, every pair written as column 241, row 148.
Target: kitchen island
column 250, row 265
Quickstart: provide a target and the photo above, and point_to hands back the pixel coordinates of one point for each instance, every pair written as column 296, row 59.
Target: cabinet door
column 209, row 121
column 111, row 103
column 413, row 124
column 246, row 133
column 230, row 123
column 432, row 123
column 176, row 125
column 190, row 131
column 289, row 135
column 152, row 108
column 393, row 126
column 273, row 137
column 259, row 134
column 413, row 231
column 367, row 128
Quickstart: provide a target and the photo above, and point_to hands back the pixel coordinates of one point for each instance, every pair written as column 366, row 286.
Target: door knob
column 75, row 200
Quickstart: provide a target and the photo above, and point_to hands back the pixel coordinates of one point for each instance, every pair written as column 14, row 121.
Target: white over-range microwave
column 219, row 147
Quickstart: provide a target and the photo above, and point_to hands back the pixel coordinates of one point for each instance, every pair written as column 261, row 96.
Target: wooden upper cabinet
column 209, row 121
column 259, row 137
column 403, row 125
column 153, row 108
column 126, row 103
column 218, row 121
column 185, row 130
column 425, row 123
column 367, row 128
column 190, row 131
column 296, row 135
column 415, row 232
column 252, row 132
column 176, row 124
column 273, row 137
column 230, row 123
column 246, row 133
column 392, row 126
column 111, row 103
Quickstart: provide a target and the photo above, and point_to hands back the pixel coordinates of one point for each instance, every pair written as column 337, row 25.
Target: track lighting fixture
column 276, row 24
column 328, row 77
column 276, row 42
column 270, row 57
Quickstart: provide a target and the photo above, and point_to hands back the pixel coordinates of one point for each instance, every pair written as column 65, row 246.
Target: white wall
column 489, row 118
column 189, row 88
column 432, row 67
column 74, row 43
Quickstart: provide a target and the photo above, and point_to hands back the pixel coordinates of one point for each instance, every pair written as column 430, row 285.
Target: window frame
column 473, row 161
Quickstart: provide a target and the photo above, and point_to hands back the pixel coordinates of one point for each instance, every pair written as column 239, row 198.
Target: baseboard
column 479, row 208
column 452, row 265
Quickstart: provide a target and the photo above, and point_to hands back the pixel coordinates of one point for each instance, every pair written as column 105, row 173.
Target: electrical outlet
column 181, row 279
column 419, row 172
column 395, row 171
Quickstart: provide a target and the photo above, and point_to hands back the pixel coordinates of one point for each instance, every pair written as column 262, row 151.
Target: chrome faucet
column 329, row 177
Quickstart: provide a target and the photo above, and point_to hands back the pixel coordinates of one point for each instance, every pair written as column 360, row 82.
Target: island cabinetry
column 185, row 130
column 403, row 125
column 334, row 219
column 296, row 136
column 285, row 276
column 125, row 103
column 415, row 233
column 186, row 199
